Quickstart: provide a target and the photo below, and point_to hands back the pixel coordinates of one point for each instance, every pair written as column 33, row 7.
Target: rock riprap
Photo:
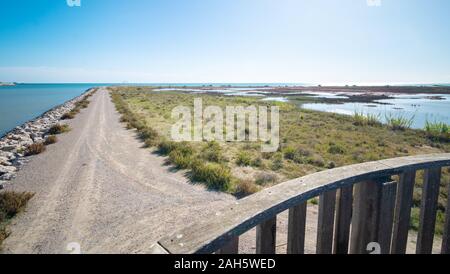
column 15, row 142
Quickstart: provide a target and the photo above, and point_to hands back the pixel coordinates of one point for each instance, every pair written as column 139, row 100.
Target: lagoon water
column 419, row 107
column 23, row 102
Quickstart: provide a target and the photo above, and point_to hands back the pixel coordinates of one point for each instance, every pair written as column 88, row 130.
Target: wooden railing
column 358, row 205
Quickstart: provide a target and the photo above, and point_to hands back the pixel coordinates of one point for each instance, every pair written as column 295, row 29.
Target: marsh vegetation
column 310, row 141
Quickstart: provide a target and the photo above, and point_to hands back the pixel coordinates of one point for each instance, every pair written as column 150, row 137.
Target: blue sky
column 235, row 41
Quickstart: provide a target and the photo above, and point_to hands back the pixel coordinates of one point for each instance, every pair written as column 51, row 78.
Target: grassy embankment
column 310, row 141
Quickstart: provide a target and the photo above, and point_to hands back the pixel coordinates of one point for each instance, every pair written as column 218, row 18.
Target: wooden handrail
column 227, row 223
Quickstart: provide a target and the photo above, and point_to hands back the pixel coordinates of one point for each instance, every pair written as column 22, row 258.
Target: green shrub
column 166, row 147
column 437, row 131
column 149, row 135
column 214, row 175
column 290, row 153
column 213, row 152
column 244, row 159
column 335, row 149
column 180, row 160
column 34, row 149
column 277, row 161
column 361, row 119
column 399, row 122
column 257, row 162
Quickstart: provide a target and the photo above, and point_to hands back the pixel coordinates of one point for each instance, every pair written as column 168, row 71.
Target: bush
column 51, row 139
column 83, row 103
column 11, row 203
column 437, row 131
column 257, row 162
column 277, row 161
column 244, row 159
column 34, row 149
column 246, row 187
column 215, row 176
column 316, row 160
column 4, row 233
column 179, row 160
column 58, row 129
column 68, row 116
column 149, row 135
column 399, row 122
column 290, row 153
column 213, row 152
column 166, row 147
column 336, row 149
column 361, row 119
column 265, row 178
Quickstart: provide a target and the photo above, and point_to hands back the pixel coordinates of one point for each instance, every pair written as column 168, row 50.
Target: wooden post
column 387, row 216
column 446, row 236
column 428, row 209
column 402, row 214
column 365, row 216
column 266, row 237
column 296, row 229
column 325, row 225
column 231, row 248
column 343, row 220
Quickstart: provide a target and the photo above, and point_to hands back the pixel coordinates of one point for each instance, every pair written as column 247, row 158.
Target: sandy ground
column 99, row 188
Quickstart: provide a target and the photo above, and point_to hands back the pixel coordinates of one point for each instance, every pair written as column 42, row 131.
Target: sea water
column 23, row 102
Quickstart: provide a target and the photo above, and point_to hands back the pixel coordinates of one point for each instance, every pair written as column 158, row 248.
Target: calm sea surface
column 21, row 103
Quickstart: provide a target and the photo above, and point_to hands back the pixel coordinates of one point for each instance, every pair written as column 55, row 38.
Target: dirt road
column 99, row 188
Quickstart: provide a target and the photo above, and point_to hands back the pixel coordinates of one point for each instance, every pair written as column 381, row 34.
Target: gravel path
column 99, row 188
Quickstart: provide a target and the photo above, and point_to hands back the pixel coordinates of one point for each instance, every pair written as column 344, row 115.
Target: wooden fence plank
column 365, row 216
column 296, row 229
column 386, row 223
column 325, row 227
column 343, row 220
column 446, row 236
column 402, row 214
column 231, row 248
column 266, row 237
column 428, row 210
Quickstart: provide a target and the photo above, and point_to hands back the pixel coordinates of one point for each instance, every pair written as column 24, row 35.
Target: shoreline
column 3, row 84
column 14, row 142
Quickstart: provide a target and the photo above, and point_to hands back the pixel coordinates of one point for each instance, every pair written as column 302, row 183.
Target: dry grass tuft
column 51, row 139
column 58, row 129
column 11, row 203
column 34, row 149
